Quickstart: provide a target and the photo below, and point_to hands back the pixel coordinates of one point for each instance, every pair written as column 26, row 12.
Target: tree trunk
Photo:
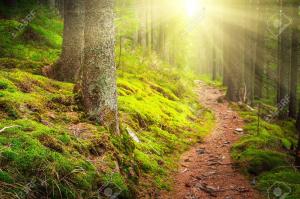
column 69, row 65
column 51, row 3
column 260, row 53
column 10, row 3
column 250, row 52
column 284, row 64
column 99, row 88
column 214, row 61
column 298, row 147
column 295, row 64
column 235, row 59
column 143, row 24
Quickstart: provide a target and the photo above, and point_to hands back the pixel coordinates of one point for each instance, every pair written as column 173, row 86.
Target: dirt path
column 206, row 170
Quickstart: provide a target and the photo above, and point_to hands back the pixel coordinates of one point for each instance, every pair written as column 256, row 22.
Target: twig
column 8, row 127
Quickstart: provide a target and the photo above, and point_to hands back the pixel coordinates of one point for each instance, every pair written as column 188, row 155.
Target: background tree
column 284, row 57
column 295, row 62
column 69, row 65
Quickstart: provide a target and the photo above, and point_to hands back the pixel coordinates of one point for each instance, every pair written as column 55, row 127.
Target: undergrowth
column 266, row 153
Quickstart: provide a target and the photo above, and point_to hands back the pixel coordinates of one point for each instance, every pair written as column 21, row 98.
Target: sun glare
column 192, row 7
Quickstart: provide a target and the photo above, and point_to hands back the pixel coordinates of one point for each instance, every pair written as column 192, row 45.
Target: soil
column 207, row 170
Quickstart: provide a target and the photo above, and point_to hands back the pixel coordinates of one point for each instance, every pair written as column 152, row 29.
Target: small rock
column 239, row 130
column 184, row 170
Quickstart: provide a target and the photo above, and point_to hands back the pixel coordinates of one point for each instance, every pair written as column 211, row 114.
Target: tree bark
column 295, row 64
column 99, row 88
column 284, row 63
column 69, row 65
column 298, row 147
column 260, row 52
column 51, row 3
column 10, row 3
column 235, row 59
column 142, row 34
column 250, row 52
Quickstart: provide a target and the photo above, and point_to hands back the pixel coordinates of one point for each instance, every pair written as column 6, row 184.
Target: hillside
column 48, row 147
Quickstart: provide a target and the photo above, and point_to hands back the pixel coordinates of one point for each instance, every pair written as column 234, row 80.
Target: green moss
column 147, row 164
column 5, row 177
column 287, row 179
column 258, row 161
column 265, row 153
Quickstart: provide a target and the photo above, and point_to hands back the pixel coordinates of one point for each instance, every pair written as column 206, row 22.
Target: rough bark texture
column 99, row 72
column 69, row 65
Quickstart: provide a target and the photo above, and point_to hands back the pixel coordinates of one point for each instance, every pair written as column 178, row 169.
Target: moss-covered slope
column 51, row 150
column 265, row 152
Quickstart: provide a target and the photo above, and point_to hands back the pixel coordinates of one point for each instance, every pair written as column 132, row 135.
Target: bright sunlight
column 192, row 7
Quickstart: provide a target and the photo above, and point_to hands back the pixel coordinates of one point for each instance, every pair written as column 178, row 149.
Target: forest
column 149, row 99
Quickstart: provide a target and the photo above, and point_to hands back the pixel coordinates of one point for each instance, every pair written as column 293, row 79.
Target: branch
column 8, row 127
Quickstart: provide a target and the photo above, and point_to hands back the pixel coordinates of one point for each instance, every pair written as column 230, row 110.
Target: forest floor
column 207, row 170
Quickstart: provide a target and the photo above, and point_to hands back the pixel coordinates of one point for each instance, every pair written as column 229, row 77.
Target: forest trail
column 206, row 170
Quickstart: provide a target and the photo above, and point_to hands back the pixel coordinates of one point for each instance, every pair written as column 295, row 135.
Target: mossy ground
column 54, row 151
column 266, row 152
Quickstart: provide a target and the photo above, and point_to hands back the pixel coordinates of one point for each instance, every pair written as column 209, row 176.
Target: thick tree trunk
column 69, row 65
column 99, row 72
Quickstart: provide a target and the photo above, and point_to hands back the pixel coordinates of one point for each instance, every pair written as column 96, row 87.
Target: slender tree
column 99, row 88
column 295, row 62
column 284, row 58
column 250, row 50
column 298, row 147
column 235, row 60
column 142, row 15
column 260, row 50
